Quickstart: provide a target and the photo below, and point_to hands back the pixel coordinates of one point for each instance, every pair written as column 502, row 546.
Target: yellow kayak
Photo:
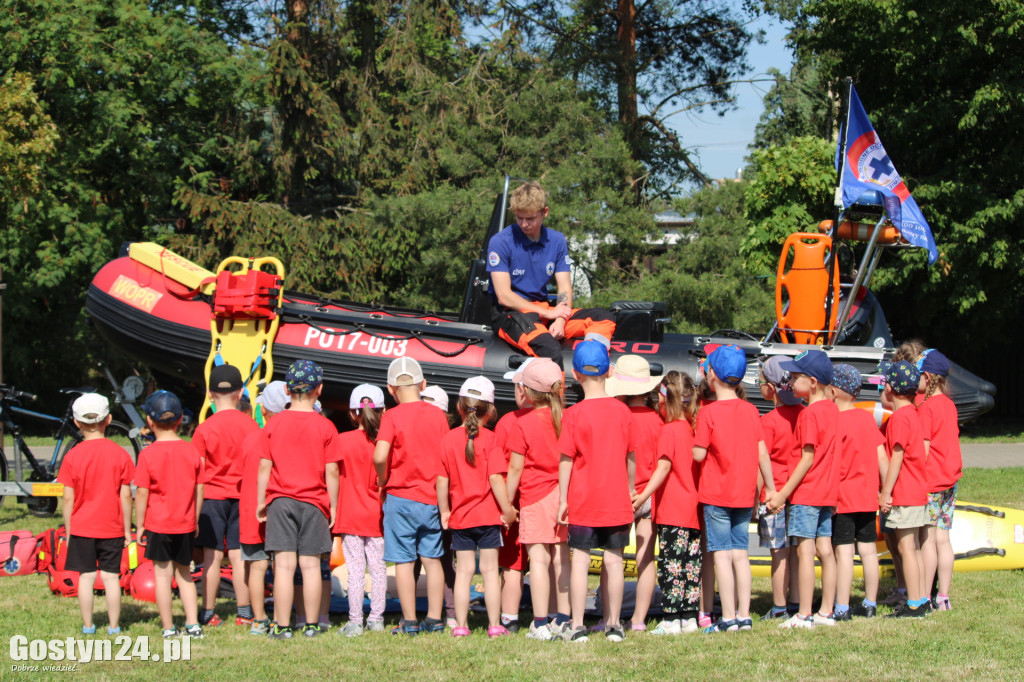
column 985, row 538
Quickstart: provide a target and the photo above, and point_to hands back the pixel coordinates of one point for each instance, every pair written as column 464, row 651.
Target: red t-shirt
column 96, row 470
column 904, row 429
column 647, row 425
column 939, row 426
column 675, row 502
column 218, row 440
column 170, row 469
column 503, row 429
column 251, row 531
column 298, row 444
column 415, row 431
column 779, row 430
column 859, row 438
column 817, row 427
column 359, row 508
column 597, row 435
column 533, row 436
column 731, row 432
column 470, row 497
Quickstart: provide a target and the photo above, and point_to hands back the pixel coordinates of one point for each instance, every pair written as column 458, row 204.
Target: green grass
column 978, row 640
column 993, row 431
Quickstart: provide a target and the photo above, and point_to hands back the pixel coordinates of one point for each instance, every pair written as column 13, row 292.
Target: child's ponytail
column 681, row 400
column 367, row 418
column 936, row 384
column 551, row 399
column 474, row 413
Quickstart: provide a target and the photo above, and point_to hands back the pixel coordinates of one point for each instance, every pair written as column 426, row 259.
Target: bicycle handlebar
column 14, row 394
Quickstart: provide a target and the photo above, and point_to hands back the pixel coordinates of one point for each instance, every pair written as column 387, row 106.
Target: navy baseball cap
column 847, row 379
column 903, row 378
column 591, row 358
column 729, row 363
column 813, row 363
column 303, row 376
column 162, row 407
column 933, row 362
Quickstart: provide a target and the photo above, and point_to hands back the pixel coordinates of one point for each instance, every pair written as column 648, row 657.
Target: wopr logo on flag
column 866, row 166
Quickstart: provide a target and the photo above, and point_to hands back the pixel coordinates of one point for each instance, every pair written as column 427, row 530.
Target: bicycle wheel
column 3, row 472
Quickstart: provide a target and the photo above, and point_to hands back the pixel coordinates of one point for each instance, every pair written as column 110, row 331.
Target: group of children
column 681, row 460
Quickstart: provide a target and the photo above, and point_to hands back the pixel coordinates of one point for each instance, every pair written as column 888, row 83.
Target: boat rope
column 364, row 329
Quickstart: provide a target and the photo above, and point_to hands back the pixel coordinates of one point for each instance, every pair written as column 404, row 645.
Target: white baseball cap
column 274, row 397
column 404, row 371
column 479, row 387
column 436, row 396
column 372, row 395
column 90, row 408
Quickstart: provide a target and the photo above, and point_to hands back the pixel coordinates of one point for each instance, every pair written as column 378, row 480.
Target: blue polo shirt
column 530, row 265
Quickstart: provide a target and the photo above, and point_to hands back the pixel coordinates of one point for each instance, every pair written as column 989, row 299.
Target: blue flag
column 866, row 166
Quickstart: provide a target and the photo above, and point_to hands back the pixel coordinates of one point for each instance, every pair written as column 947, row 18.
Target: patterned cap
column 903, row 377
column 303, row 376
column 846, row 378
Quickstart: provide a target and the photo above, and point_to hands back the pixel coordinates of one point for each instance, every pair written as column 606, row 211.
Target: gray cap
column 779, row 378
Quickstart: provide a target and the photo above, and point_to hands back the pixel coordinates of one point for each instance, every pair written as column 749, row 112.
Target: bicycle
column 67, row 436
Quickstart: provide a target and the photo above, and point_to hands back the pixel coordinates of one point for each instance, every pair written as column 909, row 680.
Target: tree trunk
column 628, row 112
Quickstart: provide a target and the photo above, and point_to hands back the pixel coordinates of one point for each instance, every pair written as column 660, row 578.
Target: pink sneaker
column 496, row 631
column 638, row 627
column 943, row 605
column 704, row 621
column 460, row 632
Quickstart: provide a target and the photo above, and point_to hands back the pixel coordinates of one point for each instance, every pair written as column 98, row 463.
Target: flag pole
column 844, row 131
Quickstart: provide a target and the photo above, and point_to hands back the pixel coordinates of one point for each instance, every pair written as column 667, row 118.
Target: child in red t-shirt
column 512, row 558
column 217, row 440
column 943, row 470
column 595, row 486
column 863, row 465
column 779, row 430
column 251, row 532
column 473, row 502
column 533, row 480
column 168, row 498
column 675, row 509
column 904, row 496
column 297, row 496
column 362, row 539
column 631, row 382
column 813, row 487
column 407, row 458
column 97, row 475
column 728, row 441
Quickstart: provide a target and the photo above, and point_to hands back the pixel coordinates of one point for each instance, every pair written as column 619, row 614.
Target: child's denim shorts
column 807, row 521
column 727, row 528
column 411, row 529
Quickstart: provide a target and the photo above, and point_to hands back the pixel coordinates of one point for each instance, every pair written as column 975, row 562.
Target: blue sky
column 721, row 142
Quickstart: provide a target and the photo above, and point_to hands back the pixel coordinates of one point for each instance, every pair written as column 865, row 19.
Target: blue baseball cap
column 813, row 363
column 847, row 379
column 933, row 362
column 591, row 358
column 303, row 376
column 729, row 363
column 162, row 407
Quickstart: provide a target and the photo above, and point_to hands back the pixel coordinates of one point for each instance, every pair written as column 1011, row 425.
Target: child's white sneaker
column 670, row 627
column 828, row 620
column 799, row 622
column 688, row 626
column 542, row 633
